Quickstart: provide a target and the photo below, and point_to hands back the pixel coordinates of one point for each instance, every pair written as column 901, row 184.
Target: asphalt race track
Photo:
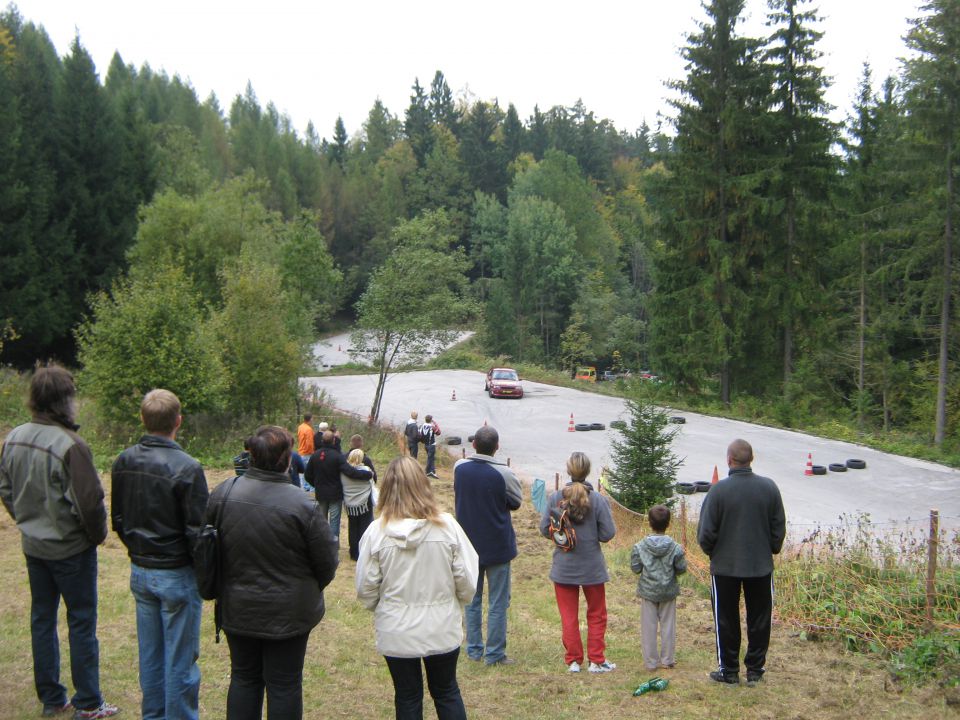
column 534, row 436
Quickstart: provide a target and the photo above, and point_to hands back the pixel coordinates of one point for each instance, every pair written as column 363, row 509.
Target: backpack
column 411, row 431
column 561, row 529
column 426, row 434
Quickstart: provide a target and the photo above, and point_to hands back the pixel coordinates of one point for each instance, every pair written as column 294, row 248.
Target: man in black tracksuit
column 742, row 526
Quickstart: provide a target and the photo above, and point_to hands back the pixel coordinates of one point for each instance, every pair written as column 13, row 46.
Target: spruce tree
column 645, row 467
column 802, row 172
column 933, row 97
column 707, row 295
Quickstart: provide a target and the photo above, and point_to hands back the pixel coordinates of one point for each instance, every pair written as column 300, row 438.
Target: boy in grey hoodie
column 658, row 559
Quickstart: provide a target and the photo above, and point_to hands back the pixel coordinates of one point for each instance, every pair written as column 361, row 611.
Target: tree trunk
column 941, row 422
column 788, row 319
column 861, row 340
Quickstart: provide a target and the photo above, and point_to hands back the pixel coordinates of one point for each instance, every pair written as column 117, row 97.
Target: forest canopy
column 753, row 249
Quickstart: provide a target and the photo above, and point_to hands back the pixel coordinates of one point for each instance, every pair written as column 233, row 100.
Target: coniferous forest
column 753, row 250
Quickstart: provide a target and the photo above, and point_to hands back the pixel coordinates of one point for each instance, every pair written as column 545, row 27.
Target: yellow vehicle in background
column 587, row 373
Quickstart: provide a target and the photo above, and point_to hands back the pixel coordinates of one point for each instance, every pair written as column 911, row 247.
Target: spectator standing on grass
column 297, row 467
column 583, row 566
column 158, row 499
column 324, row 469
column 356, row 443
column 658, row 560
column 742, row 526
column 305, row 437
column 416, row 571
column 428, row 434
column 485, row 493
column 322, row 427
column 412, row 433
column 278, row 555
column 357, row 501
column 51, row 489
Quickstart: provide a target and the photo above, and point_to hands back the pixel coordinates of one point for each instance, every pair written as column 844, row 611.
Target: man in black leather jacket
column 158, row 501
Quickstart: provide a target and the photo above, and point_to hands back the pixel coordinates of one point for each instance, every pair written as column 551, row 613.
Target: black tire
column 702, row 485
column 597, row 426
column 685, row 488
column 855, row 464
column 838, row 467
column 819, row 470
column 678, row 420
column 618, row 424
column 454, row 440
column 470, row 438
column 581, row 426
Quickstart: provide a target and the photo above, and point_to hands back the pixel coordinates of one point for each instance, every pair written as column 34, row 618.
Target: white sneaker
column 574, row 666
column 602, row 667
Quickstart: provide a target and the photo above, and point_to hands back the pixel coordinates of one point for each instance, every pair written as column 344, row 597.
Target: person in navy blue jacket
column 485, row 493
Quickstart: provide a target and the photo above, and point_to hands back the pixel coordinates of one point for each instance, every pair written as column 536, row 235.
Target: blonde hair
column 159, row 411
column 405, row 492
column 575, row 495
column 578, row 466
column 355, row 457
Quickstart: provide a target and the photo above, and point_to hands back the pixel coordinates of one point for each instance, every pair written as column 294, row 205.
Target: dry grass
column 345, row 678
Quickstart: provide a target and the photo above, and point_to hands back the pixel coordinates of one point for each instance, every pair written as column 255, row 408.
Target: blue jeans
column 331, row 510
column 441, row 680
column 75, row 580
column 431, row 459
column 168, row 636
column 498, row 584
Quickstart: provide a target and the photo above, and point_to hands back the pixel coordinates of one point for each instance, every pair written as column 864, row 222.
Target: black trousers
column 274, row 666
column 441, row 680
column 356, row 526
column 758, row 597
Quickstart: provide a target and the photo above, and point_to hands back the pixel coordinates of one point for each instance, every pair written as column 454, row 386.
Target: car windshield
column 504, row 375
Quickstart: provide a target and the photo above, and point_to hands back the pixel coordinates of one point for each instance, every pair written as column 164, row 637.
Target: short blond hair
column 159, row 411
column 405, row 492
column 355, row 457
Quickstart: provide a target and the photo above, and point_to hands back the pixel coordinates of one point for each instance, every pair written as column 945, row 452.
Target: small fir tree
column 645, row 468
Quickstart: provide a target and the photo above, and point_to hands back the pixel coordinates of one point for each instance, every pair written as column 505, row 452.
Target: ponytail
column 576, row 499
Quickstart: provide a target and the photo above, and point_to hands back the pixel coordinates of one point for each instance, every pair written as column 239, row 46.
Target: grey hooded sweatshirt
column 658, row 559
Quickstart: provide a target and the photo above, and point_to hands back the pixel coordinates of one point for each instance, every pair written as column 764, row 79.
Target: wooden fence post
column 932, row 563
column 508, row 462
column 463, row 452
column 683, row 523
column 556, row 481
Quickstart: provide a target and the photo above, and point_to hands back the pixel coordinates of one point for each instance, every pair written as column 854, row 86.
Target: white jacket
column 416, row 576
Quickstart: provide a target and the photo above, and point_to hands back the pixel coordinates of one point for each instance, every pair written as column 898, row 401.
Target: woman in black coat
column 278, row 555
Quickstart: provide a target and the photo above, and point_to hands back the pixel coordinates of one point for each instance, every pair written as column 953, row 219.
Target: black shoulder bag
column 206, row 559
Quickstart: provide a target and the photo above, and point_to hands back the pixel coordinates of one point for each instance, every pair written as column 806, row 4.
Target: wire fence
column 874, row 585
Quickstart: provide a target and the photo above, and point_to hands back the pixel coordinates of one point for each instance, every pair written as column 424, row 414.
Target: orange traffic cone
column 809, row 470
column 454, row 396
column 570, row 427
column 716, row 477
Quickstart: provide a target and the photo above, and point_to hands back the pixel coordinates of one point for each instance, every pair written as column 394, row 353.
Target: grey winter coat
column 584, row 565
column 658, row 559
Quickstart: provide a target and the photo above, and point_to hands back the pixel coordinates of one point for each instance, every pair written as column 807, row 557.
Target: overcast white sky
column 317, row 60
